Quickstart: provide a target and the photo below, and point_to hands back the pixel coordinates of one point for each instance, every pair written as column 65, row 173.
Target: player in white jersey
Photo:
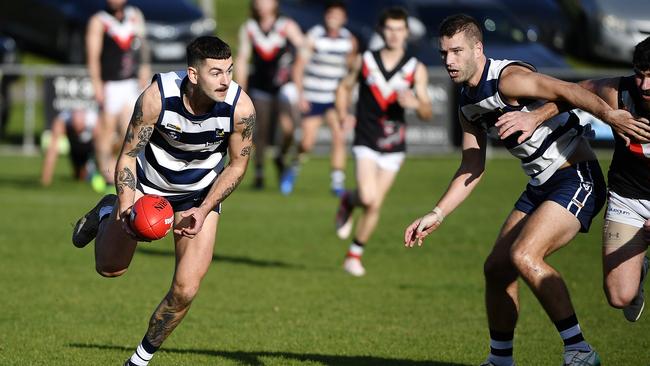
column 182, row 127
column 566, row 188
column 329, row 52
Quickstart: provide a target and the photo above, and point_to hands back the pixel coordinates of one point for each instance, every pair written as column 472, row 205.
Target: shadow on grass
column 21, row 181
column 252, row 358
column 228, row 259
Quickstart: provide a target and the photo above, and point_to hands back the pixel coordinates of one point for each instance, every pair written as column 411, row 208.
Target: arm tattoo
column 164, row 320
column 246, row 150
column 143, row 139
column 136, row 118
column 125, row 178
column 229, row 190
column 249, row 124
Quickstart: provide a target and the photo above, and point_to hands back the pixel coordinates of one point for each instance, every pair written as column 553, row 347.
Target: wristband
column 438, row 211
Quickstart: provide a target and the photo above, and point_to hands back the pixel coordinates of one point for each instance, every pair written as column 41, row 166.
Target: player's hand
column 99, row 95
column 420, row 228
column 407, row 99
column 628, row 127
column 516, row 121
column 191, row 222
column 125, row 220
column 304, row 105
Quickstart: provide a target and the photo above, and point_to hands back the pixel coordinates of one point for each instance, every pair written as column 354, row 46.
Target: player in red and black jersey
column 267, row 39
column 118, row 63
column 390, row 81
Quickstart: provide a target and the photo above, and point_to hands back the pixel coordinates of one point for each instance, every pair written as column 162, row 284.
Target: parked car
column 505, row 37
column 8, row 55
column 57, row 28
column 610, row 29
column 546, row 17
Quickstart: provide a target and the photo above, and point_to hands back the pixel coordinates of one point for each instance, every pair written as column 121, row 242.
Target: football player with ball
column 183, row 126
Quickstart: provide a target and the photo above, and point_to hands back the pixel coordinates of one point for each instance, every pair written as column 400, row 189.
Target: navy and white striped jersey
column 546, row 149
column 328, row 64
column 186, row 152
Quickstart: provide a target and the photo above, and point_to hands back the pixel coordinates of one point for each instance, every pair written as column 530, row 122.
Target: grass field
column 276, row 294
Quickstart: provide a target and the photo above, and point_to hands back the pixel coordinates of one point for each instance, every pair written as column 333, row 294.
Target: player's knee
column 522, row 260
column 367, row 200
column 107, row 271
column 619, row 297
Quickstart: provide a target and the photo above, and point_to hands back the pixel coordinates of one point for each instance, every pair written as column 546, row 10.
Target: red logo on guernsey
column 385, row 91
column 642, row 150
column 123, row 33
column 267, row 46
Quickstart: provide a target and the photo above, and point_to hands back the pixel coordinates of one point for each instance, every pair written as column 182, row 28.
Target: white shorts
column 386, row 161
column 120, row 94
column 627, row 211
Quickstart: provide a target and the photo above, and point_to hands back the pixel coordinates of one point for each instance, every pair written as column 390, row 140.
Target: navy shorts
column 579, row 188
column 318, row 109
column 186, row 201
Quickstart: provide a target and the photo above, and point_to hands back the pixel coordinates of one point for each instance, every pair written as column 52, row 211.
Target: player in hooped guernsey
column 183, row 126
column 118, row 65
column 266, row 39
column 328, row 53
column 390, row 80
column 566, row 188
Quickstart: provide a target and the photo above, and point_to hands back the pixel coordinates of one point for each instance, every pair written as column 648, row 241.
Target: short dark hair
column 336, row 4
column 395, row 13
column 460, row 23
column 207, row 47
column 641, row 58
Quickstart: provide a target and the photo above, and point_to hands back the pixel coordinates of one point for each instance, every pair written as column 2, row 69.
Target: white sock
column 338, row 178
column 142, row 356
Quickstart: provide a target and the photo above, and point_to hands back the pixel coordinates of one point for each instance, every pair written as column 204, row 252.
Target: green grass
column 276, row 294
column 230, row 16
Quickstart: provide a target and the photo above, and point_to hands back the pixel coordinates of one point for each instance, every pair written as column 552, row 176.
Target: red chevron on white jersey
column 386, row 91
column 268, row 45
column 122, row 33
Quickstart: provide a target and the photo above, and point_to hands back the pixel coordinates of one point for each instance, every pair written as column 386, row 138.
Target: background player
column 118, row 63
column 265, row 39
column 182, row 127
column 390, row 80
column 566, row 188
column 78, row 126
column 329, row 52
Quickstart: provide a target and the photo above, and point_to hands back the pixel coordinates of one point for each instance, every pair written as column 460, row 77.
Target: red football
column 152, row 217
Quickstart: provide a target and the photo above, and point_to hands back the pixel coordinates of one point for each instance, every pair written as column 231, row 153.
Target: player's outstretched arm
column 145, row 114
column 462, row 184
column 240, row 145
column 517, row 82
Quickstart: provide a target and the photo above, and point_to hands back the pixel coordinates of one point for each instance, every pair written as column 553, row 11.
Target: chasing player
column 566, row 188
